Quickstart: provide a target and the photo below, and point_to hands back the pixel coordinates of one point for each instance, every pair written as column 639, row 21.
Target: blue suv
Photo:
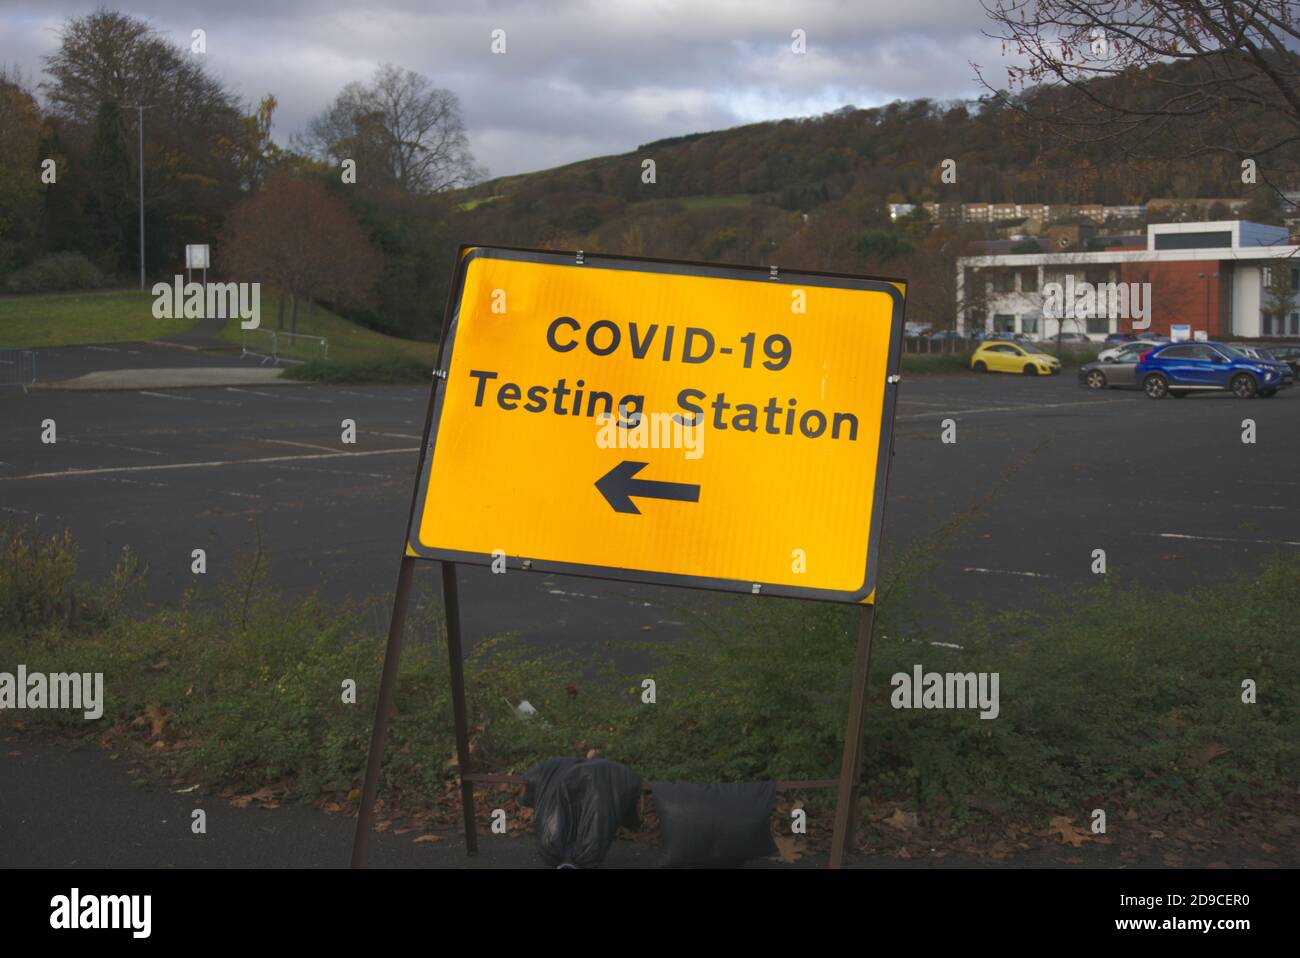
column 1177, row 369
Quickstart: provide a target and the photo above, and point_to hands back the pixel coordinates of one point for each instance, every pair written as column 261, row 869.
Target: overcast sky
column 578, row 79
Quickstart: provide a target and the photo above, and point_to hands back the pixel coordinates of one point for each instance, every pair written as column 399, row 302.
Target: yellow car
column 997, row 356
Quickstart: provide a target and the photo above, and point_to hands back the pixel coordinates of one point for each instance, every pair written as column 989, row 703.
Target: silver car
column 1117, row 373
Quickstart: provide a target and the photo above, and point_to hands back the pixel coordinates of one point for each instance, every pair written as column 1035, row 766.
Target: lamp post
column 140, row 108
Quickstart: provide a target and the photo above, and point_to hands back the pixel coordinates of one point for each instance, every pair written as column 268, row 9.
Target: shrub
column 393, row 369
column 34, row 578
column 57, row 272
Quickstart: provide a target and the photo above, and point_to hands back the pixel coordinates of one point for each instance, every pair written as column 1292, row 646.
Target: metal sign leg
column 393, row 652
column 851, row 765
column 455, row 660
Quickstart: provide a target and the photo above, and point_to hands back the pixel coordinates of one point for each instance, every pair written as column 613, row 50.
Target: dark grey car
column 1118, row 373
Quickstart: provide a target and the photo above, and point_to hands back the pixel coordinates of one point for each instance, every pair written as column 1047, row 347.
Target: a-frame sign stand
column 448, row 554
column 846, row 785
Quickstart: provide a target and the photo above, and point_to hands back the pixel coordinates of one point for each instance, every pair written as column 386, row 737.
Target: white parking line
column 210, row 402
column 110, row 445
column 337, row 472
column 135, row 482
column 1032, row 575
column 38, row 516
column 290, row 442
column 983, row 409
column 203, row 465
column 1179, row 535
column 353, row 392
column 283, row 396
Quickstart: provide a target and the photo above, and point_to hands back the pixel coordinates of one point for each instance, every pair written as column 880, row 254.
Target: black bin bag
column 714, row 826
column 552, row 819
column 579, row 805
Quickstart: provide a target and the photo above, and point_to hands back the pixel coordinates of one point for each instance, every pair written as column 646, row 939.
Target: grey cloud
column 579, row 78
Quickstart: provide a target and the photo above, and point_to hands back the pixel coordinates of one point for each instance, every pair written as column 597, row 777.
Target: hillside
column 813, row 192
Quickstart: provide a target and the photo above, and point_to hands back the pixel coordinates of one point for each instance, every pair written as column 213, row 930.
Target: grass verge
column 72, row 319
column 1113, row 698
column 392, row 369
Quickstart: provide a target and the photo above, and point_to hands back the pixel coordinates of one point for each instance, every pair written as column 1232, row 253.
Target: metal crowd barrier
column 253, row 342
column 18, row 368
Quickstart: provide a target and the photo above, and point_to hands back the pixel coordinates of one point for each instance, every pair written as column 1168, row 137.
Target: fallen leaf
column 427, row 838
column 1070, row 834
column 901, row 819
column 788, row 848
column 186, row 791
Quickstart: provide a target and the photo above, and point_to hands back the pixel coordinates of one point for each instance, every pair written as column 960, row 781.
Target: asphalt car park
column 1040, row 474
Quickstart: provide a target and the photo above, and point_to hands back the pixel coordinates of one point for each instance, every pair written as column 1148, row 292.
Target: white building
column 1213, row 276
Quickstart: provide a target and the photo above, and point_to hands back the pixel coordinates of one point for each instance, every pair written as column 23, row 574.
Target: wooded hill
column 813, row 192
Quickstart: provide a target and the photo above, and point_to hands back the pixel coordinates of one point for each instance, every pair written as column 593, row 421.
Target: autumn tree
column 298, row 237
column 1280, row 292
column 257, row 154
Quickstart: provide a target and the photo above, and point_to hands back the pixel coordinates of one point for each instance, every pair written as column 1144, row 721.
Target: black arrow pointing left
column 619, row 485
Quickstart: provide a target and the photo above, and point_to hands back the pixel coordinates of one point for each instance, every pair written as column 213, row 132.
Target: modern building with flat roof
column 1217, row 278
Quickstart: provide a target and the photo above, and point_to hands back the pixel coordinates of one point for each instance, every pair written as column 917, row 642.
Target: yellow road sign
column 678, row 423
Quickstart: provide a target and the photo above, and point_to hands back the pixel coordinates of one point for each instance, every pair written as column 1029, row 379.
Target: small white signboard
column 196, row 257
column 1180, row 332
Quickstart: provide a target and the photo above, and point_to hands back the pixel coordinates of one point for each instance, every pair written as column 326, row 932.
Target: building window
column 1206, row 240
column 1029, row 281
column 1295, row 324
column 1004, row 324
column 1004, row 282
column 1029, row 324
column 1098, row 324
